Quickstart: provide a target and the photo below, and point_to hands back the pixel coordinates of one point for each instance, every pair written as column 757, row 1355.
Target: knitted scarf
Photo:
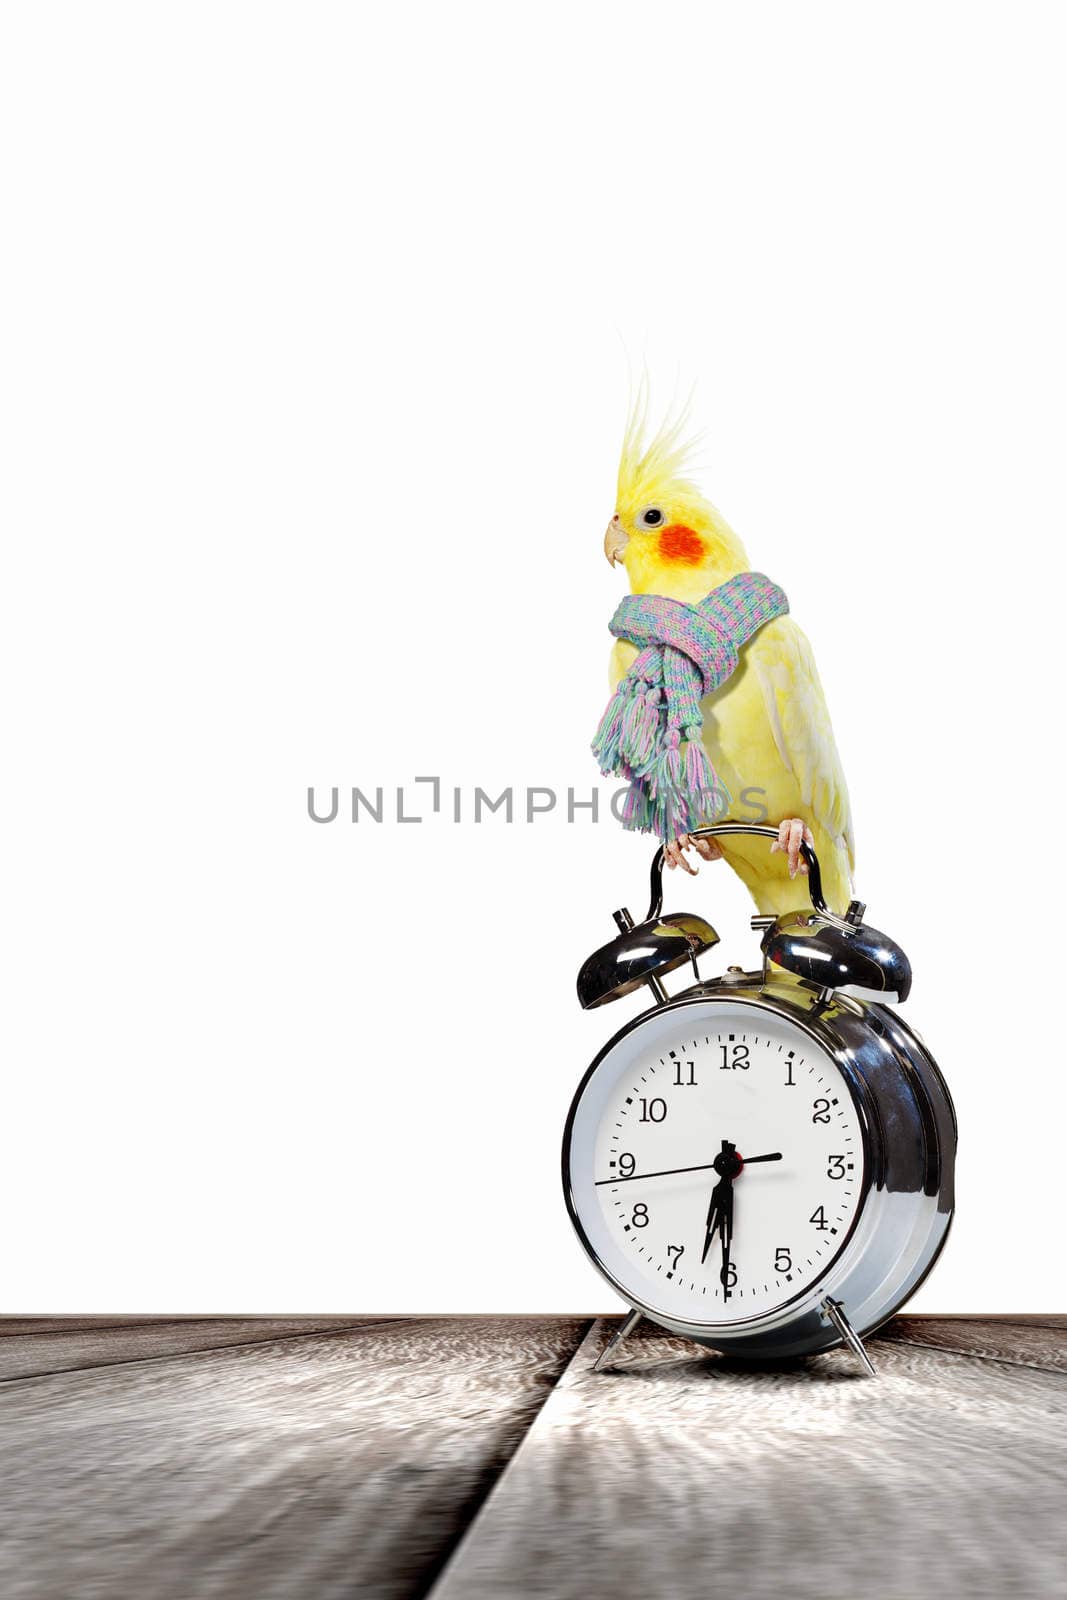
column 685, row 652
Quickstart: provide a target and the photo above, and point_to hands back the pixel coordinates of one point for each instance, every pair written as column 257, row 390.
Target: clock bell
column 835, row 954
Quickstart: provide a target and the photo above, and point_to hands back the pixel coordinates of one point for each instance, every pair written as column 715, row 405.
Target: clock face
column 715, row 1159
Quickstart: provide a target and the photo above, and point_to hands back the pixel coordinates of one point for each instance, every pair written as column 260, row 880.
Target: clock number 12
column 734, row 1056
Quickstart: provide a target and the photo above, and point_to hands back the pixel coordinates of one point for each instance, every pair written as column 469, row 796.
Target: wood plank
column 57, row 1347
column 329, row 1467
column 686, row 1474
column 71, row 1322
column 19, row 1325
column 1029, row 1341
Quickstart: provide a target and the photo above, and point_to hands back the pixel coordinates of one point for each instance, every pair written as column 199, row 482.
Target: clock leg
column 834, row 1312
column 622, row 1332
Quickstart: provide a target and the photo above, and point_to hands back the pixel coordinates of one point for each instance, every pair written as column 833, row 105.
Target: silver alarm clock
column 764, row 1161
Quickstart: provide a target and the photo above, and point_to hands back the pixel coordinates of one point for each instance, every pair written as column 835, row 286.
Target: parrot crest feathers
column 653, row 465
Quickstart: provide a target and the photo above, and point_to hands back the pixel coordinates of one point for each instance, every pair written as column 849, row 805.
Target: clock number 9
column 627, row 1164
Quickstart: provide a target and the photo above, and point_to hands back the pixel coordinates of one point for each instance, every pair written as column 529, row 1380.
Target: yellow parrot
column 767, row 727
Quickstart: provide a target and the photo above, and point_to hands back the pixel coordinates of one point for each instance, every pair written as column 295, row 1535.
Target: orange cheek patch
column 679, row 543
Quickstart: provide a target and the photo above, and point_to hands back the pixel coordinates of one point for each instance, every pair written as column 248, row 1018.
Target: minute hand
column 726, row 1234
column 670, row 1172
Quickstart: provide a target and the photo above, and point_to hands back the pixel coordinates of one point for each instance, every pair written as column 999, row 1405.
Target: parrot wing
column 800, row 724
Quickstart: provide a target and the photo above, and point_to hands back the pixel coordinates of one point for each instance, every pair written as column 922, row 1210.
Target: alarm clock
column 764, row 1161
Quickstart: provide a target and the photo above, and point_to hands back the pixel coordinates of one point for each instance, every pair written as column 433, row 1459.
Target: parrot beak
column 615, row 540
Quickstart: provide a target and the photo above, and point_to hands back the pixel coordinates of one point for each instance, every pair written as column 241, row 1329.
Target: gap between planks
column 589, row 1346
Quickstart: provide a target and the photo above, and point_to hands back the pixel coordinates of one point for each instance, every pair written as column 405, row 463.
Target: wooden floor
column 338, row 1458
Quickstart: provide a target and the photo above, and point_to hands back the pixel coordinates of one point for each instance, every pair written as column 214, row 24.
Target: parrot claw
column 791, row 834
column 674, row 852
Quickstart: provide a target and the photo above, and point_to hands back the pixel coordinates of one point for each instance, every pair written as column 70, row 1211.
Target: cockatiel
column 767, row 727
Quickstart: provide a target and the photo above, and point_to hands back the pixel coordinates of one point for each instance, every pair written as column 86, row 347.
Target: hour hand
column 713, row 1223
column 709, row 1236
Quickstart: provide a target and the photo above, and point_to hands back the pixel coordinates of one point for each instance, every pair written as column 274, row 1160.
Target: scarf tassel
column 636, row 811
column 639, row 734
column 671, row 814
column 606, row 744
column 664, row 779
column 709, row 796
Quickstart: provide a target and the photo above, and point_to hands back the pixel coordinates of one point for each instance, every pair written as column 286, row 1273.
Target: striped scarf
column 685, row 652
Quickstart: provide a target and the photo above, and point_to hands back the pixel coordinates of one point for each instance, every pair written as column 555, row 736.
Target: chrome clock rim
column 758, row 1001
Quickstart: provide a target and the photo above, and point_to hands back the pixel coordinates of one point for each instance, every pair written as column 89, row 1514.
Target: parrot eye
column 651, row 517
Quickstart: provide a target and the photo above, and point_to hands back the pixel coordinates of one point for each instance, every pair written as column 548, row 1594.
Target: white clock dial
column 716, row 1162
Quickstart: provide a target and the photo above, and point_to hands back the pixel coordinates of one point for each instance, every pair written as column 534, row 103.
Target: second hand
column 670, row 1172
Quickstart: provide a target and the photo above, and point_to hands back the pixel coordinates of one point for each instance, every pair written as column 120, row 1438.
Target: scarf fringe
column 640, row 728
column 606, row 743
column 710, row 796
column 636, row 811
column 628, row 738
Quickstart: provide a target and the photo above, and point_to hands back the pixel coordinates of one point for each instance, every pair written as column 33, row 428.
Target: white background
column 315, row 334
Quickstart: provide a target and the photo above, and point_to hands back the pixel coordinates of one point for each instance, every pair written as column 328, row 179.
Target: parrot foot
column 674, row 852
column 791, row 833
